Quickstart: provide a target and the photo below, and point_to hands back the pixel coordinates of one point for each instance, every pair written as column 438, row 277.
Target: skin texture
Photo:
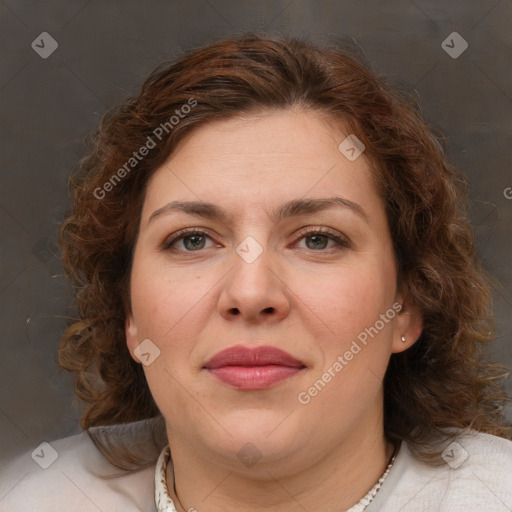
column 305, row 295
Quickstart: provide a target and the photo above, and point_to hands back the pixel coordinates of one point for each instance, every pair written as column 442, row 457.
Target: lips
column 258, row 356
column 253, row 368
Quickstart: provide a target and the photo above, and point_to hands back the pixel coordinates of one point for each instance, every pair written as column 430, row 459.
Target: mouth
column 253, row 368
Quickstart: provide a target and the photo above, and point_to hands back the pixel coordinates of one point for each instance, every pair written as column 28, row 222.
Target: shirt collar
column 163, row 499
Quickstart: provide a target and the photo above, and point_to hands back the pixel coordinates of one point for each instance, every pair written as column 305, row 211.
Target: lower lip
column 253, row 377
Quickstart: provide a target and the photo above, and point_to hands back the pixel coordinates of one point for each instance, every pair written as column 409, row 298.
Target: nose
column 255, row 290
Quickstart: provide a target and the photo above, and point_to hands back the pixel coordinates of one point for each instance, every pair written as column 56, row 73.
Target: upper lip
column 240, row 355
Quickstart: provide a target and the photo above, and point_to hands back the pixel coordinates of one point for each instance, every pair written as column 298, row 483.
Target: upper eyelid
column 190, row 231
column 207, row 231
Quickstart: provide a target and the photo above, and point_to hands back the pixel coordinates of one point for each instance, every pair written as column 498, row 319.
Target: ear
column 131, row 333
column 408, row 326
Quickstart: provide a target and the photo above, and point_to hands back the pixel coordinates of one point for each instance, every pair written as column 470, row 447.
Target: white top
column 476, row 477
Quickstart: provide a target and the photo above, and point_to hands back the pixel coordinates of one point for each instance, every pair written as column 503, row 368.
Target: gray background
column 106, row 49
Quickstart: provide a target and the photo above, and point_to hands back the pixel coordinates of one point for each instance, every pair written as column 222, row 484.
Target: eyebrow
column 295, row 207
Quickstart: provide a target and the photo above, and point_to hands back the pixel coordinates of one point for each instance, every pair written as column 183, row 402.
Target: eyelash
column 340, row 241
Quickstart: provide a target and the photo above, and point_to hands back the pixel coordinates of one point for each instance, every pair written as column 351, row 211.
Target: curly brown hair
column 442, row 383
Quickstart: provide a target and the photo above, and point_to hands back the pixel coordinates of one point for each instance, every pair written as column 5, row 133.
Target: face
column 314, row 279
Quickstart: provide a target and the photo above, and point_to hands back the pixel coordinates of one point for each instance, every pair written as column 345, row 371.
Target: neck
column 336, row 482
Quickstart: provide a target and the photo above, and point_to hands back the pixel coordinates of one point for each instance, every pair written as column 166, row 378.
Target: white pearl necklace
column 368, row 497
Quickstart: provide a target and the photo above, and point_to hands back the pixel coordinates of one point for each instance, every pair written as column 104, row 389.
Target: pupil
column 318, row 237
column 194, row 244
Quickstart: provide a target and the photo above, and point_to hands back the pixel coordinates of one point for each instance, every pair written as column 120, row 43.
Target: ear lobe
column 408, row 327
column 131, row 333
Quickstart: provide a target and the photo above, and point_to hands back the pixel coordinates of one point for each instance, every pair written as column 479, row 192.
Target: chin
column 271, row 432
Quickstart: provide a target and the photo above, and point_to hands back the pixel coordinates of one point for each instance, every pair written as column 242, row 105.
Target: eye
column 318, row 239
column 193, row 240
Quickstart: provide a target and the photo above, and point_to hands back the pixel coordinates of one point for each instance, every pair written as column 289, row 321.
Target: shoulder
column 71, row 474
column 476, row 474
column 484, row 473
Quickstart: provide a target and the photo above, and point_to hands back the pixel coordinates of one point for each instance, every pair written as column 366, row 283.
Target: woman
column 280, row 308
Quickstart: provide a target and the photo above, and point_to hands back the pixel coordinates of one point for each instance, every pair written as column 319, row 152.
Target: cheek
column 348, row 300
column 355, row 347
column 166, row 302
column 170, row 308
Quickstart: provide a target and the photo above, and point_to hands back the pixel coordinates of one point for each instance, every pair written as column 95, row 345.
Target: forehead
column 258, row 160
column 264, row 135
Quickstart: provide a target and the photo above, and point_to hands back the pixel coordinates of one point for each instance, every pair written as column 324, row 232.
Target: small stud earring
column 403, row 339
